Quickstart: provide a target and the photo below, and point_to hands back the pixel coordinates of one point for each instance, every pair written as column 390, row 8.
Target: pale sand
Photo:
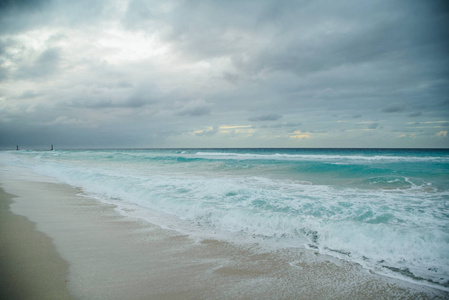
column 115, row 257
column 30, row 267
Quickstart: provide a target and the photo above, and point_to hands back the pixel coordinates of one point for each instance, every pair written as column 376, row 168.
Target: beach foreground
column 90, row 251
column 30, row 267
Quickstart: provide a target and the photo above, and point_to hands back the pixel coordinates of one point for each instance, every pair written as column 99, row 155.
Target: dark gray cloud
column 282, row 125
column 18, row 15
column 205, row 73
column 108, row 101
column 195, row 108
column 28, row 94
column 268, row 117
column 415, row 114
column 22, row 15
column 195, row 111
column 297, row 36
column 46, row 63
column 394, row 107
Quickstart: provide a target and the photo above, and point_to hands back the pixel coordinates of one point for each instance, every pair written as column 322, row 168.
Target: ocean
column 385, row 209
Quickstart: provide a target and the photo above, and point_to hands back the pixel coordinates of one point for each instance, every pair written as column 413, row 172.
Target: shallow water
column 387, row 210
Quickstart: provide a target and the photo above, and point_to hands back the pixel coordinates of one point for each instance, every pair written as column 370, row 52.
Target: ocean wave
column 321, row 157
column 385, row 221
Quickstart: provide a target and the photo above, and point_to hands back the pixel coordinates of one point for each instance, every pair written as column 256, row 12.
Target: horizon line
column 216, row 148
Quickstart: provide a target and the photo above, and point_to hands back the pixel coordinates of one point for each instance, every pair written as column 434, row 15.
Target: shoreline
column 110, row 256
column 30, row 266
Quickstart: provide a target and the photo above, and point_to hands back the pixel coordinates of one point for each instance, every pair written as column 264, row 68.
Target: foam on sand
column 112, row 256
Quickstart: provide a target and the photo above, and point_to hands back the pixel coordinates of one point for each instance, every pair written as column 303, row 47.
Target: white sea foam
column 320, row 157
column 401, row 228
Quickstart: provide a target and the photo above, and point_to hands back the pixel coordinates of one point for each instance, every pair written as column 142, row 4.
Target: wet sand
column 30, row 267
column 89, row 251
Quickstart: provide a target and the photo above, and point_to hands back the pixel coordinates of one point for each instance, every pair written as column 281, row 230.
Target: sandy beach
column 30, row 267
column 57, row 244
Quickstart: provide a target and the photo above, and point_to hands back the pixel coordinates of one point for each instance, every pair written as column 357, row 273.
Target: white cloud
column 300, row 135
column 442, row 133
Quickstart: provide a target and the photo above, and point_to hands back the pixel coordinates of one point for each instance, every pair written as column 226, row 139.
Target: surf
column 389, row 215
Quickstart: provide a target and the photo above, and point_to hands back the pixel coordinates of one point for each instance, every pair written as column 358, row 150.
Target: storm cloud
column 269, row 117
column 142, row 73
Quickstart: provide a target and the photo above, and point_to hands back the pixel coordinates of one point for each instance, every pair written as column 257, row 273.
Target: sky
column 235, row 73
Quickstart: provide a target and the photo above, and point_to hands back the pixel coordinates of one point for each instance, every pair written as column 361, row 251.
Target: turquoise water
column 387, row 210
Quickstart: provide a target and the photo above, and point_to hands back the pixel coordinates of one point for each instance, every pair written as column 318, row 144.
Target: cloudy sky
column 234, row 73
